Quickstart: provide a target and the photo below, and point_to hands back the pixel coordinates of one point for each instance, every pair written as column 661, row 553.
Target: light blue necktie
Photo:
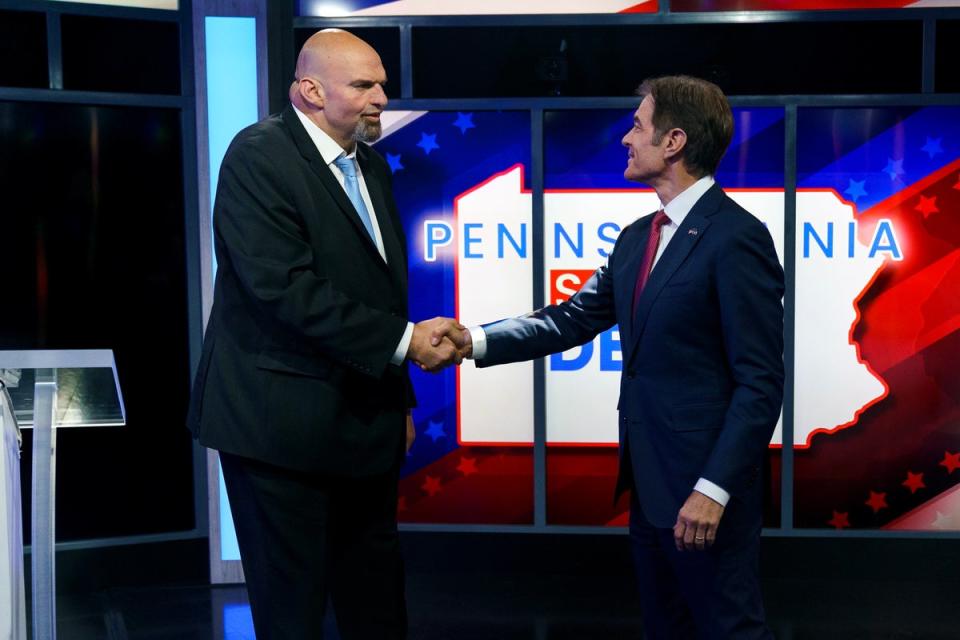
column 352, row 187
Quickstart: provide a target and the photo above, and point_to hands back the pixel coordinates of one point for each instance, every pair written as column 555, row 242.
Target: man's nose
column 380, row 96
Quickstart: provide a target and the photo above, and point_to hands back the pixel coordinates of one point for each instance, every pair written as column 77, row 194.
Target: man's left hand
column 697, row 523
column 411, row 432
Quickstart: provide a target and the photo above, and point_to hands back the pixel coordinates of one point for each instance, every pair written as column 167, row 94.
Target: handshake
column 438, row 343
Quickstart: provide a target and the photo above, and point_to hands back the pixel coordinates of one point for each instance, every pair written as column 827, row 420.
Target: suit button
column 631, row 375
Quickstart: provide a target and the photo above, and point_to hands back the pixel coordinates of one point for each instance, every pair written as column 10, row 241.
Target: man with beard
column 302, row 385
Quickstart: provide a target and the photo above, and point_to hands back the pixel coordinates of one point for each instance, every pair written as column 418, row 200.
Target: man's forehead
column 645, row 110
column 364, row 65
column 375, row 74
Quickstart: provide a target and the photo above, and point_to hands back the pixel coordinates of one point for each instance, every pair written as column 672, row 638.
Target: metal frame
column 192, row 235
column 538, row 105
column 539, row 299
column 789, row 308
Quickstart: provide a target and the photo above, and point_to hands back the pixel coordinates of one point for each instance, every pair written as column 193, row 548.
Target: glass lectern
column 46, row 390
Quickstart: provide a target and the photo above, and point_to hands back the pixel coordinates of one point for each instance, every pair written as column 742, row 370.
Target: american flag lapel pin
column 692, row 232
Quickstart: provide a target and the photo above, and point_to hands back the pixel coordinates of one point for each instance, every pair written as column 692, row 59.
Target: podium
column 45, row 391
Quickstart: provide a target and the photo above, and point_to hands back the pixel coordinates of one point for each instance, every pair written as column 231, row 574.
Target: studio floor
column 479, row 587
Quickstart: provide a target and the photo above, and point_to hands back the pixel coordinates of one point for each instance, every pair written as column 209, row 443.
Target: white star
column 942, row 522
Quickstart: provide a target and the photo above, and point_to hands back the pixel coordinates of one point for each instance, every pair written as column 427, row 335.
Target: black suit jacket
column 306, row 315
column 702, row 378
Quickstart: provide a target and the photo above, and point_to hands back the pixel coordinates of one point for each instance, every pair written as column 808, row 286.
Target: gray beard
column 366, row 132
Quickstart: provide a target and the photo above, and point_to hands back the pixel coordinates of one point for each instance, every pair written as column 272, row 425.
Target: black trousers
column 707, row 595
column 306, row 537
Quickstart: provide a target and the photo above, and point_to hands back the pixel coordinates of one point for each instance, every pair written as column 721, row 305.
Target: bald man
column 302, row 385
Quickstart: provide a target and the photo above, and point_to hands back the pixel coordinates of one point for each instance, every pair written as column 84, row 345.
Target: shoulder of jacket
column 265, row 137
column 733, row 221
column 636, row 225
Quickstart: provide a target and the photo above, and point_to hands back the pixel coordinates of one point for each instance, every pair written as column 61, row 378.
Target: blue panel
column 238, row 622
column 231, row 53
column 229, row 550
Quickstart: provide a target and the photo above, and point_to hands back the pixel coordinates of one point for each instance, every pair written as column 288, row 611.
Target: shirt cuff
column 401, row 353
column 712, row 491
column 478, row 337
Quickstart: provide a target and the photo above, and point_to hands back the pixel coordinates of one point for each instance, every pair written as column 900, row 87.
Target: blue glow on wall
column 231, row 51
column 238, row 622
column 229, row 549
column 232, row 104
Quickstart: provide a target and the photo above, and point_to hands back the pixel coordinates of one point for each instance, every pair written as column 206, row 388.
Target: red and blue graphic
column 896, row 464
column 803, row 5
column 876, row 309
column 435, row 157
column 337, row 8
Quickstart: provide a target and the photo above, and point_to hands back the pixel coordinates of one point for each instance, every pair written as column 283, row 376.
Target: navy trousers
column 708, row 595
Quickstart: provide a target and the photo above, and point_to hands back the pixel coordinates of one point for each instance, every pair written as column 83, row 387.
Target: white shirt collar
column 679, row 207
column 329, row 149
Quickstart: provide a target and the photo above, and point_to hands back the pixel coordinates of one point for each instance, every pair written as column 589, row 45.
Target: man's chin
column 632, row 175
column 367, row 132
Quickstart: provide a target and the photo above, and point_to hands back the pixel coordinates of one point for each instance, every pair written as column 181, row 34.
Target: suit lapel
column 388, row 233
column 626, row 276
column 309, row 151
column 687, row 236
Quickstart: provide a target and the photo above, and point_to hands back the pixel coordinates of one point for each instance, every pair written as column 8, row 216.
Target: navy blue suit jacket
column 702, row 380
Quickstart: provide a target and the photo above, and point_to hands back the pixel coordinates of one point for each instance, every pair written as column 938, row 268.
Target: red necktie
column 653, row 241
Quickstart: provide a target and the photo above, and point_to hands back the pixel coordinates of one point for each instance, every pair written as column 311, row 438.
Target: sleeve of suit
column 262, row 233
column 750, row 290
column 554, row 328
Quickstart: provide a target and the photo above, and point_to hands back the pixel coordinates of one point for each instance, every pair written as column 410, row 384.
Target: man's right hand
column 456, row 333
column 431, row 353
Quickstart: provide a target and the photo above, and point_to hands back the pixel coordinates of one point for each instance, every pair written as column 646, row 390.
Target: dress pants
column 708, row 595
column 305, row 537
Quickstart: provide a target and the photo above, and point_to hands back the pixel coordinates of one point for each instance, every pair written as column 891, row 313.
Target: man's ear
column 312, row 92
column 676, row 141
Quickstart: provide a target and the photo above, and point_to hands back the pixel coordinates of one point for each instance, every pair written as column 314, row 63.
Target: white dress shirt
column 330, row 150
column 676, row 210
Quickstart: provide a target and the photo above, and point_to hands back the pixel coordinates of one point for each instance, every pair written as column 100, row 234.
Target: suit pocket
column 296, row 363
column 702, row 416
